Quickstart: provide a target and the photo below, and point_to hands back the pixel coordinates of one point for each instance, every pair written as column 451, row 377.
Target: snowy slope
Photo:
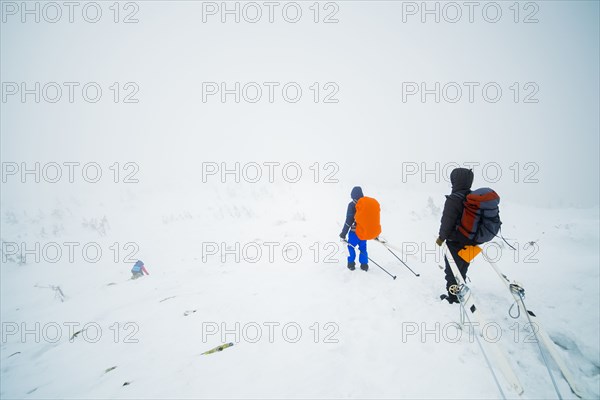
column 363, row 348
column 357, row 64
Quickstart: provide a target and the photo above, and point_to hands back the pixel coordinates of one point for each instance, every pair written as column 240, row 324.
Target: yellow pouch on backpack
column 468, row 253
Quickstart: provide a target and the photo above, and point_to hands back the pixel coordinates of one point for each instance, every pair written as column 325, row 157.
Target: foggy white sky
column 369, row 133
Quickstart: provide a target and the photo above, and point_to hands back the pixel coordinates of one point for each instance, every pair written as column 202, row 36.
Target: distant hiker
column 138, row 270
column 363, row 222
column 461, row 179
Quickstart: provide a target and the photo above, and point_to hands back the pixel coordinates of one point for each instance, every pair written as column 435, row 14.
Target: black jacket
column 461, row 179
column 356, row 194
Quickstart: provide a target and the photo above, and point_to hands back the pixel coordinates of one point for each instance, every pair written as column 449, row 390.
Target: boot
column 451, row 298
column 351, row 265
column 364, row 267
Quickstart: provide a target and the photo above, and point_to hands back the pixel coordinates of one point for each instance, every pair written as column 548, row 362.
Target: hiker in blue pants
column 353, row 240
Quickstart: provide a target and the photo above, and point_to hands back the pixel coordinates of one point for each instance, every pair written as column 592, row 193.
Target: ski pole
column 369, row 258
column 388, row 249
column 384, row 270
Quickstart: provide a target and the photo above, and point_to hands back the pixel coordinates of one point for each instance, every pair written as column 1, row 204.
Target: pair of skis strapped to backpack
column 471, row 311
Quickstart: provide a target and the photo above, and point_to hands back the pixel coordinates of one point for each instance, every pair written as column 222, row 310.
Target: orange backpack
column 367, row 218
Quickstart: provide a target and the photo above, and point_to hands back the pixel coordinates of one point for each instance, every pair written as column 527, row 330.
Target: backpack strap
column 459, row 196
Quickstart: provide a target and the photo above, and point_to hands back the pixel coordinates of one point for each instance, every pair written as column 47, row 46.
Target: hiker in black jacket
column 461, row 179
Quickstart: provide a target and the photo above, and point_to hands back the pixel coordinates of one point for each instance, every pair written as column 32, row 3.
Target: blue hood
column 356, row 193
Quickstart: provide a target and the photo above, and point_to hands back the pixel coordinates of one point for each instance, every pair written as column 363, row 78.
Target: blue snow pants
column 353, row 240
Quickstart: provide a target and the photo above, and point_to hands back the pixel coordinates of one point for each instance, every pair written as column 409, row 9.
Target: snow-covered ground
column 393, row 96
column 307, row 326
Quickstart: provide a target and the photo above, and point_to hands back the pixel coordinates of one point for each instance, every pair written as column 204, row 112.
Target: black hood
column 461, row 179
column 356, row 193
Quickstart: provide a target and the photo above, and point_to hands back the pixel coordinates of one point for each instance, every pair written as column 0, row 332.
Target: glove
column 343, row 237
column 439, row 241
